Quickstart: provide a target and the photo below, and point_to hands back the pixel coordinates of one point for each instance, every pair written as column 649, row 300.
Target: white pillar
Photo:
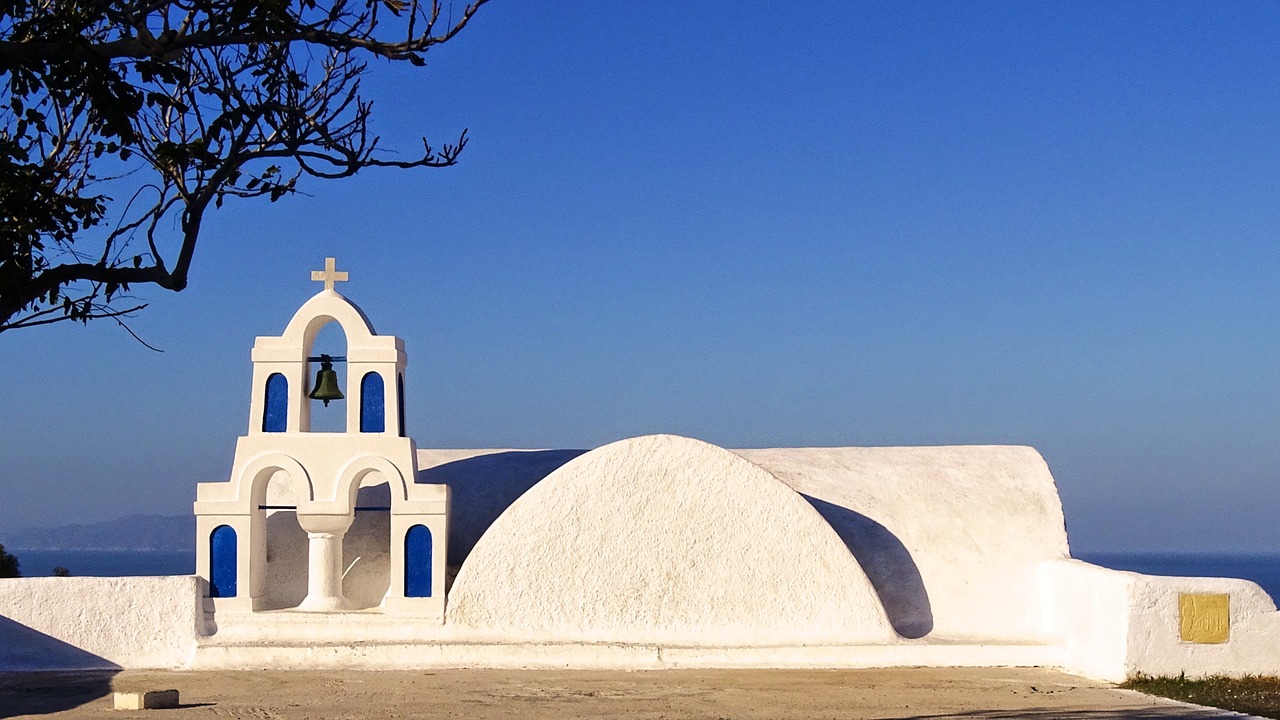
column 324, row 562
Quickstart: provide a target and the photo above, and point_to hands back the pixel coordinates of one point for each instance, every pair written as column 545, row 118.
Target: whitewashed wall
column 665, row 539
column 681, row 554
column 951, row 536
column 90, row 622
column 1115, row 624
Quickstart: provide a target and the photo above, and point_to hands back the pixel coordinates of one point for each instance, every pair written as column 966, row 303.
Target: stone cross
column 329, row 275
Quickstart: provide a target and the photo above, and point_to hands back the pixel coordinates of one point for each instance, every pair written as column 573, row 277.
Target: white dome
column 665, row 539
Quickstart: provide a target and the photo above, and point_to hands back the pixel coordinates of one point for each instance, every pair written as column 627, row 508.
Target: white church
column 356, row 549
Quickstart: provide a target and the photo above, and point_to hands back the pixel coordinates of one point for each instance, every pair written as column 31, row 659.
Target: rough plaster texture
column 366, row 559
column 951, row 536
column 484, row 483
column 1114, row 624
column 285, row 576
column 90, row 622
column 665, row 539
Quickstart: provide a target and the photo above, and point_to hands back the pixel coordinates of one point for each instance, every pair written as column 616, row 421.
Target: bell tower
column 284, row 472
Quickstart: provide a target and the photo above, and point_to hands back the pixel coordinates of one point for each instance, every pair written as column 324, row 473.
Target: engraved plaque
column 1204, row 617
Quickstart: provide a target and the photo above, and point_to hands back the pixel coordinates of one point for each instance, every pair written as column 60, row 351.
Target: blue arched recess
column 222, row 562
column 417, row 562
column 373, row 402
column 275, row 411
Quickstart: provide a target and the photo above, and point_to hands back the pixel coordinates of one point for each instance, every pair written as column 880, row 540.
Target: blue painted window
column 276, row 408
column 373, row 401
column 222, row 562
column 400, row 400
column 417, row 562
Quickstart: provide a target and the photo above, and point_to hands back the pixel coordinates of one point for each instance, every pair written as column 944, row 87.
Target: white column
column 324, row 562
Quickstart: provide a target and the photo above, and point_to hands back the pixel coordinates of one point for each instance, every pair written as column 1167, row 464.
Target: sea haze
column 171, row 533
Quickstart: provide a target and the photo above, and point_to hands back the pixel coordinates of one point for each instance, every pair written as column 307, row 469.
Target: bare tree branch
column 181, row 104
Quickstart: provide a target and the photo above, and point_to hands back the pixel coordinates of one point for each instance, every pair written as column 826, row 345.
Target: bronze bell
column 326, row 382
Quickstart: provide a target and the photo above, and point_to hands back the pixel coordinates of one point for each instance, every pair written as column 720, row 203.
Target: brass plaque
column 1205, row 617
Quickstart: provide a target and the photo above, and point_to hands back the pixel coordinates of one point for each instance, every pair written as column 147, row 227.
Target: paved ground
column 544, row 695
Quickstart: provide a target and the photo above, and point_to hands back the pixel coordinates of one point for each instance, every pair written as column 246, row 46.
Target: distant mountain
column 136, row 532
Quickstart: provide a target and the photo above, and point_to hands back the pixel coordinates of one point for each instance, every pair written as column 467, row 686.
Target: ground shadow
column 888, row 565
column 485, row 485
column 41, row 693
column 26, row 689
column 1165, row 712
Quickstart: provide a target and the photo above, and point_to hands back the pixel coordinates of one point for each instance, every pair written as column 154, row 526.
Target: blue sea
column 1262, row 569
column 106, row 563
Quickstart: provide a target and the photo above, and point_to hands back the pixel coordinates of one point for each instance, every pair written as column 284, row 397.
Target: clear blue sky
column 763, row 224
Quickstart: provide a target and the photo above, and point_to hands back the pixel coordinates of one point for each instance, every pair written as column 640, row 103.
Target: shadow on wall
column 286, row 572
column 888, row 566
column 366, row 548
column 485, row 485
column 81, row 677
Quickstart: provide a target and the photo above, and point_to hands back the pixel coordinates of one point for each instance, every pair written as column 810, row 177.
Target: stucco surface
column 285, row 576
column 1154, row 638
column 484, row 483
column 952, row 537
column 665, row 539
column 90, row 622
column 1114, row 624
column 366, row 559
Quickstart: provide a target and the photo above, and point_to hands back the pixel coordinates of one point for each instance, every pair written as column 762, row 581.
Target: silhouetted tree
column 128, row 120
column 8, row 565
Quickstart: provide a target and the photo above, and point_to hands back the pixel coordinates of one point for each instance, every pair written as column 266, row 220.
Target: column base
column 324, row 604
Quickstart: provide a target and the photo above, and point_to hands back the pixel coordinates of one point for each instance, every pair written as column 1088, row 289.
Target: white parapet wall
column 1115, row 625
column 101, row 623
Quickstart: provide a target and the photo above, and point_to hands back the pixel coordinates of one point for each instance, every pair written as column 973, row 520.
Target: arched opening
column 329, row 340
column 285, row 574
column 373, row 402
column 222, row 562
column 417, row 562
column 275, row 413
column 400, row 403
column 366, row 548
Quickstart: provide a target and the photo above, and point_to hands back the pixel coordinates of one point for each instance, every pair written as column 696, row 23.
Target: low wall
column 90, row 622
column 1115, row 625
column 1099, row 623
